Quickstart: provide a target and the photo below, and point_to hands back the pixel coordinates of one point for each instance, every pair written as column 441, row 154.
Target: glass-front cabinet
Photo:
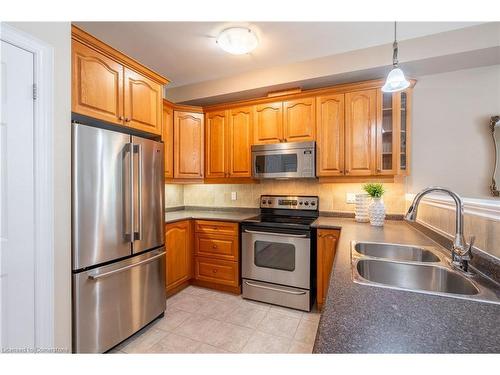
column 393, row 125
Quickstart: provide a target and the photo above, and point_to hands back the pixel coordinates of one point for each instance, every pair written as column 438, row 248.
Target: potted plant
column 376, row 210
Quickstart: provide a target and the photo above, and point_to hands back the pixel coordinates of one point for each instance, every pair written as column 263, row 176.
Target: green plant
column 374, row 190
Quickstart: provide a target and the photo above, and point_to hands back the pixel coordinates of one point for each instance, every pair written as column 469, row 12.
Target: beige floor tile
column 217, row 309
column 261, row 342
column 198, row 291
column 144, row 342
column 173, row 343
column 209, row 349
column 187, row 302
column 230, row 337
column 255, row 304
column 199, row 328
column 246, row 316
column 311, row 317
column 288, row 312
column 300, row 347
column 279, row 324
column 222, row 296
column 306, row 332
column 172, row 319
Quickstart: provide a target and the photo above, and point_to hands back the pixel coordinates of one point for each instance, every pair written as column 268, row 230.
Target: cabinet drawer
column 216, row 227
column 217, row 271
column 223, row 247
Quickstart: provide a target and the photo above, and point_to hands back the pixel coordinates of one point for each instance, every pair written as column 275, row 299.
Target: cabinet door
column 386, row 134
column 215, row 145
column 142, row 102
column 326, row 248
column 403, row 111
column 299, row 120
column 360, row 129
column 330, row 135
column 188, row 145
column 240, row 141
column 168, row 139
column 97, row 84
column 179, row 253
column 268, row 125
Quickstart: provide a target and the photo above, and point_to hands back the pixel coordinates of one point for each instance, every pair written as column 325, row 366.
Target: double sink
column 415, row 268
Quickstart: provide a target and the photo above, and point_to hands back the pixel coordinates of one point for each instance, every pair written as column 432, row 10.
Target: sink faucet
column 460, row 251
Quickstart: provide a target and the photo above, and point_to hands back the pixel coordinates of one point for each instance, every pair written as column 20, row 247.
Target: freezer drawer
column 110, row 303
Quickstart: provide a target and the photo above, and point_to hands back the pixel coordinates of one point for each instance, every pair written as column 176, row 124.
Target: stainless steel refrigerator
column 118, row 236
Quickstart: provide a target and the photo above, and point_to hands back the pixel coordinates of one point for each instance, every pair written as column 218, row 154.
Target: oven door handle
column 276, row 234
column 275, row 289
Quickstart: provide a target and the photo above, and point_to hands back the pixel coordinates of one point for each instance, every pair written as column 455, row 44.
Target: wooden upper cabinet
column 299, row 120
column 167, row 137
column 97, row 84
column 188, row 145
column 268, row 123
column 240, row 141
column 143, row 102
column 330, row 135
column 360, row 132
column 216, row 129
column 178, row 240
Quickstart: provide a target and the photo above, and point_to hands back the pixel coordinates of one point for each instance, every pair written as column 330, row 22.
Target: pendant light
column 396, row 80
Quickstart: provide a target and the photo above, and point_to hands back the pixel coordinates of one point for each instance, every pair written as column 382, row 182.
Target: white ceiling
column 186, row 52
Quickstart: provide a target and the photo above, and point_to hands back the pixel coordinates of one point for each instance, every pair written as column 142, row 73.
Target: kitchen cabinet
column 327, row 240
column 330, row 135
column 142, row 102
column 216, row 129
column 268, row 126
column 360, row 132
column 167, row 136
column 188, row 145
column 228, row 138
column 97, row 84
column 289, row 121
column 216, row 250
column 299, row 120
column 112, row 87
column 178, row 241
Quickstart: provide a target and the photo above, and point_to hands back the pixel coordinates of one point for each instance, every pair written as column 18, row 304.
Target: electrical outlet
column 234, row 196
column 350, row 198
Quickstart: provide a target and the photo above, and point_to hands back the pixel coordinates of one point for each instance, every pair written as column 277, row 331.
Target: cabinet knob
column 127, row 119
column 120, row 118
column 214, row 246
column 214, row 270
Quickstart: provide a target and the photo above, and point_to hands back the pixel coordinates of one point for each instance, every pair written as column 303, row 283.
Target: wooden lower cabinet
column 327, row 240
column 217, row 271
column 178, row 241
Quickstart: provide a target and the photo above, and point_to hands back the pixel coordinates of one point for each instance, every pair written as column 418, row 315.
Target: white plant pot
column 376, row 211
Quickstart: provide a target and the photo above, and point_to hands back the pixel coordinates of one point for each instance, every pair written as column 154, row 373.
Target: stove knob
column 313, row 203
column 269, row 201
column 300, row 203
column 306, row 203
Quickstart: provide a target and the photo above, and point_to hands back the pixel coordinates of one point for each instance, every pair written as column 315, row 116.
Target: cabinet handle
column 120, row 118
column 127, row 119
column 214, row 246
column 214, row 270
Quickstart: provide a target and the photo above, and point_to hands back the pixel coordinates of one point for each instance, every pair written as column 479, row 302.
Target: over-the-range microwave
column 284, row 160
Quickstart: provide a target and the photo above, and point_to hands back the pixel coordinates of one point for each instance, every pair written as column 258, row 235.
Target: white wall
column 451, row 141
column 58, row 35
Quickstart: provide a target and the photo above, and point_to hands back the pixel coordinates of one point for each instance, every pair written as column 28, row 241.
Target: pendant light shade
column 396, row 80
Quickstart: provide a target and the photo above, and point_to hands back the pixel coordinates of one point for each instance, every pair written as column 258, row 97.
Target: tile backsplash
column 332, row 196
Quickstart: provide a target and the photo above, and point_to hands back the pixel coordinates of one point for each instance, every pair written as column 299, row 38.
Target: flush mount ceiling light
column 396, row 80
column 237, row 40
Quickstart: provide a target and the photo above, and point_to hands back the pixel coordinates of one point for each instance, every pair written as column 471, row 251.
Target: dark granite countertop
column 223, row 215
column 366, row 319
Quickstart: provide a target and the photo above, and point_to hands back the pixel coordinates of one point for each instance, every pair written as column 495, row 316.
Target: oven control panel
column 290, row 202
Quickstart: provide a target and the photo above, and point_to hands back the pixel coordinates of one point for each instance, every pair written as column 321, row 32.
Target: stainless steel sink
column 415, row 276
column 397, row 252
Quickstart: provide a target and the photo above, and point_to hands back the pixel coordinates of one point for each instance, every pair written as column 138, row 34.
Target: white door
column 17, row 247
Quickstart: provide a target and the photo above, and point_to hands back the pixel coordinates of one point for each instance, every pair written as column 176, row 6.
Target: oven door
column 278, row 257
column 292, row 163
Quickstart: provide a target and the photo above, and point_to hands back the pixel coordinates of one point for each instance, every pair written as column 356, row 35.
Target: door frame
column 43, row 121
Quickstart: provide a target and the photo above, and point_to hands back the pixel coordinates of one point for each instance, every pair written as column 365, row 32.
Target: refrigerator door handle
column 131, row 190
column 138, row 233
column 105, row 274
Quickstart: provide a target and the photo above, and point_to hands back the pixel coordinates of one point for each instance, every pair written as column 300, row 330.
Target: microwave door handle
column 276, row 234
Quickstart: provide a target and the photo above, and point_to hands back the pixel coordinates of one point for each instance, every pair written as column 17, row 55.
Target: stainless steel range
column 277, row 257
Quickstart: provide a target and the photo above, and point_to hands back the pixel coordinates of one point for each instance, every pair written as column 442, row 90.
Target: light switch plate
column 350, row 198
column 234, row 196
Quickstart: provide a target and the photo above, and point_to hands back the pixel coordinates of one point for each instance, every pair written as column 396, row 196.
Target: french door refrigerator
column 118, row 254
